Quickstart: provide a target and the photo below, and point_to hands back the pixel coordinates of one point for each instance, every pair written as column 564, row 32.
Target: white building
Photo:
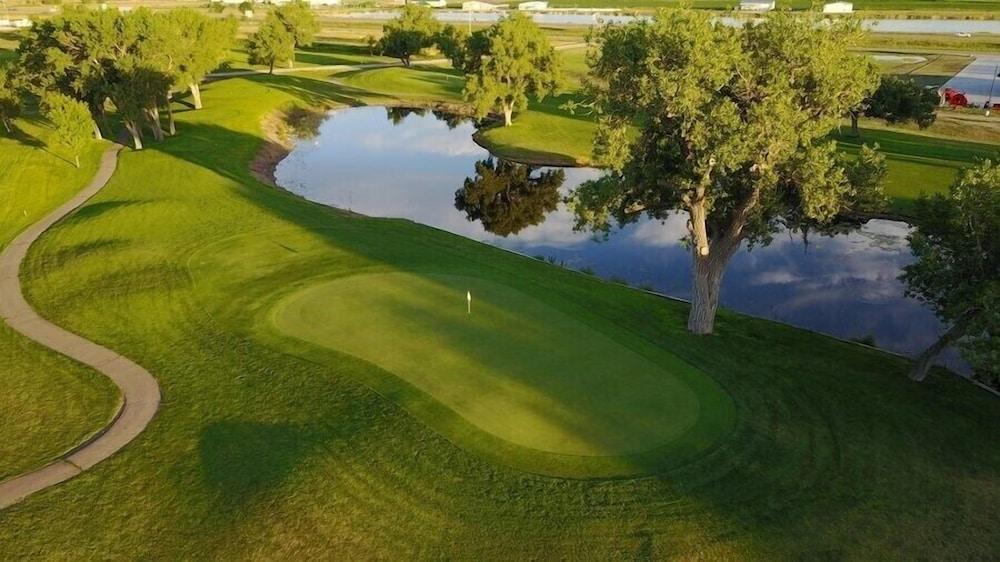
column 756, row 5
column 476, row 6
column 324, row 2
column 435, row 3
column 533, row 6
column 838, row 8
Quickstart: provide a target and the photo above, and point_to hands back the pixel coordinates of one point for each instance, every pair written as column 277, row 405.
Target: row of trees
column 129, row 63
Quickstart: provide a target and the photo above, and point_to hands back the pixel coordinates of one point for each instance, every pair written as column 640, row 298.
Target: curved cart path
column 140, row 393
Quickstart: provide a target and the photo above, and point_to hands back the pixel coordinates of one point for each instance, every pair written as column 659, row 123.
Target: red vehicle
column 954, row 98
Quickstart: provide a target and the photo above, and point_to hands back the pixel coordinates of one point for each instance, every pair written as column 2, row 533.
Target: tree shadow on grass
column 241, row 460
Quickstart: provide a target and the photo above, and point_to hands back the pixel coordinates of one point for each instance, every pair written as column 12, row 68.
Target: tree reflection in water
column 506, row 197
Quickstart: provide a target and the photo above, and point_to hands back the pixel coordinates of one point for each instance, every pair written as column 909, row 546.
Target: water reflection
column 842, row 283
column 505, row 197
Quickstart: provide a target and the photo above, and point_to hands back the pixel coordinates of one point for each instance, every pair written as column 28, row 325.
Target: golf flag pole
column 468, row 300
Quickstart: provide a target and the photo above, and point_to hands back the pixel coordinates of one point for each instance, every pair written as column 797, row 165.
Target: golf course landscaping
column 565, row 417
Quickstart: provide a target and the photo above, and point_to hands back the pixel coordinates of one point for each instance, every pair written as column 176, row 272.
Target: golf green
column 514, row 367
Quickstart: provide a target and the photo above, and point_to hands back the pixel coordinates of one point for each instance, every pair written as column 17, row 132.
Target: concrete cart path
column 976, row 79
column 140, row 392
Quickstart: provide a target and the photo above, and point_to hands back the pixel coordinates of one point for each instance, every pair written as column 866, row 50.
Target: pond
column 411, row 164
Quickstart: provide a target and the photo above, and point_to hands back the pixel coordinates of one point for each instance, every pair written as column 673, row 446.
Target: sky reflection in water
column 844, row 285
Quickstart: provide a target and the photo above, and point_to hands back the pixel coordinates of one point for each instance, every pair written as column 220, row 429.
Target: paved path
column 141, row 394
column 976, row 79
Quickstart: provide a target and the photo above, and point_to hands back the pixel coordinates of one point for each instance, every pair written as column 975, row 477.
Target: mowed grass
column 917, row 164
column 516, row 368
column 262, row 449
column 49, row 404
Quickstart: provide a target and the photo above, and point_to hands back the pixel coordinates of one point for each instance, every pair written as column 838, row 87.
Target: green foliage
column 10, row 96
column 300, row 21
column 507, row 197
column 405, row 36
column 957, row 272
column 728, row 124
column 899, row 101
column 246, row 6
column 517, row 62
column 271, row 43
column 74, row 128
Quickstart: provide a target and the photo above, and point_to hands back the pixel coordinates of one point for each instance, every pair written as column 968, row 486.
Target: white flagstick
column 468, row 299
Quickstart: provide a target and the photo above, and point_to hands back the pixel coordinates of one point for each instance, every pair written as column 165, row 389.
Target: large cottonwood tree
column 728, row 125
column 957, row 272
column 510, row 62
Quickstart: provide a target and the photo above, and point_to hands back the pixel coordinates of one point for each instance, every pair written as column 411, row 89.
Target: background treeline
column 86, row 65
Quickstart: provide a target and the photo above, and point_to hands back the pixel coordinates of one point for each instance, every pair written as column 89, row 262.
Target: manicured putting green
column 515, row 367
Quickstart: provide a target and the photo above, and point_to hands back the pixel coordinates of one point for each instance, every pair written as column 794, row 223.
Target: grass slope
column 49, row 403
column 261, row 452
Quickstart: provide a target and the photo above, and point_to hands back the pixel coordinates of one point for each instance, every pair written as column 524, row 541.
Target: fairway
column 515, row 367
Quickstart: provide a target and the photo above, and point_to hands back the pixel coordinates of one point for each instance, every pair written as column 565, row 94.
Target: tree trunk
column 854, row 124
column 925, row 361
column 134, row 131
column 707, row 271
column 6, row 123
column 154, row 122
column 171, row 125
column 508, row 110
column 196, row 94
column 270, row 70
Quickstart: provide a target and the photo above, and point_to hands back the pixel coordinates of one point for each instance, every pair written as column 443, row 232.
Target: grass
column 917, row 164
column 265, row 448
column 519, row 370
column 49, row 403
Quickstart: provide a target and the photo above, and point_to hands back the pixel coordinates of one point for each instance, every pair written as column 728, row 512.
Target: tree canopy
column 957, row 272
column 517, row 62
column 72, row 122
column 300, row 21
column 96, row 56
column 900, row 101
column 729, row 125
column 507, row 197
column 271, row 43
column 405, row 36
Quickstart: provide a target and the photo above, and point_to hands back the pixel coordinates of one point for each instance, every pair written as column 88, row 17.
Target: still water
column 397, row 163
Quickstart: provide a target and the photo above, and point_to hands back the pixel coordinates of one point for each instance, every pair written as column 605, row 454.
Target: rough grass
column 261, row 452
column 48, row 403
